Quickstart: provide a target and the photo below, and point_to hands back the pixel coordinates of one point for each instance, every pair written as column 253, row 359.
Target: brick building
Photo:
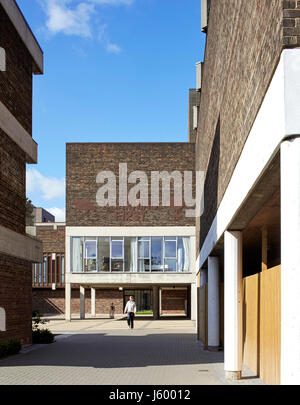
column 248, row 145
column 143, row 250
column 21, row 57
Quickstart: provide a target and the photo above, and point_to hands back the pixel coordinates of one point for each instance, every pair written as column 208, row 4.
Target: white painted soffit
column 11, row 126
column 277, row 119
column 23, row 29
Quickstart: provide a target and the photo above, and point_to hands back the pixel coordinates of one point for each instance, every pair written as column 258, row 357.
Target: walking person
column 112, row 311
column 130, row 309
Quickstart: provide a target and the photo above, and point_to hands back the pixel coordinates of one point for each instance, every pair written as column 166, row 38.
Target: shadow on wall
column 107, row 351
column 211, row 187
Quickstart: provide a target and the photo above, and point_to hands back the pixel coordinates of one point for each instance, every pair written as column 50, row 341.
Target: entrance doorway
column 143, row 299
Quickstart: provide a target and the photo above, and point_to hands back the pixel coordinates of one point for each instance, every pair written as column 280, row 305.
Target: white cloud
column 59, row 213
column 113, row 2
column 80, row 18
column 105, row 40
column 70, row 21
column 49, row 187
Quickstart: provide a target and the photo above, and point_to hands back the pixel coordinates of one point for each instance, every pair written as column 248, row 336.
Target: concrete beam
column 15, row 15
column 11, row 126
column 21, row 246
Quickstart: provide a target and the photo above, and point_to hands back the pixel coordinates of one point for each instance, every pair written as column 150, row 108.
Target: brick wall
column 173, row 302
column 16, row 82
column 53, row 239
column 53, row 302
column 244, row 43
column 85, row 161
column 291, row 23
column 12, row 185
column 15, row 298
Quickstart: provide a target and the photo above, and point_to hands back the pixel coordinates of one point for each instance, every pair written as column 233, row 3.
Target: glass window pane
column 103, row 253
column 183, row 254
column 90, row 265
column 77, row 253
column 62, row 269
column 90, row 249
column 170, row 248
column 156, row 254
column 143, row 265
column 143, row 249
column 117, row 249
column 130, row 254
column 170, row 265
column 116, row 265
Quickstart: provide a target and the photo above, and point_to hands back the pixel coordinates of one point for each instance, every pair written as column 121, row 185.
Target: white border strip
column 11, row 126
column 274, row 122
column 19, row 22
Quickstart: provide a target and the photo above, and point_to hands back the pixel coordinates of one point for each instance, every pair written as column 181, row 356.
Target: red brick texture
column 12, row 185
column 16, row 82
column 85, row 161
column 291, row 23
column 244, row 43
column 15, row 298
column 53, row 239
column 173, row 302
column 53, row 302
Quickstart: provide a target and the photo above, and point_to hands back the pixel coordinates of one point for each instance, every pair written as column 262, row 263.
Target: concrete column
column 68, row 301
column 82, row 302
column 203, row 277
column 93, row 302
column 213, row 303
column 194, row 302
column 233, row 305
column 290, row 262
column 155, row 303
column 159, row 301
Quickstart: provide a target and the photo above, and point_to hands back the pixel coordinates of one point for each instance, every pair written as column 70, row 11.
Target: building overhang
column 21, row 246
column 11, row 126
column 277, row 120
column 15, row 15
column 123, row 279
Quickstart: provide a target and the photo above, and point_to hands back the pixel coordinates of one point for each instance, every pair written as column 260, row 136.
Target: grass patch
column 149, row 312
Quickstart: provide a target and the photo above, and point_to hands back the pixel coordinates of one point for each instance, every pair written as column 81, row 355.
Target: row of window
column 50, row 271
column 130, row 254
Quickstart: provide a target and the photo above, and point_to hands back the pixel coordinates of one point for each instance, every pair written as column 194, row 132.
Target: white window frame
column 114, row 239
column 171, row 258
column 92, row 258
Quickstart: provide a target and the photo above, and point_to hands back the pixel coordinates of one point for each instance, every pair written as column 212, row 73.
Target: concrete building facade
column 21, row 57
column 248, row 146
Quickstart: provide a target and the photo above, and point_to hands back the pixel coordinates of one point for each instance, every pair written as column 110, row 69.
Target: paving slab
column 106, row 352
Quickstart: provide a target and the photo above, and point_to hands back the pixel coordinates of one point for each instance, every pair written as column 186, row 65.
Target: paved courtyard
column 104, row 351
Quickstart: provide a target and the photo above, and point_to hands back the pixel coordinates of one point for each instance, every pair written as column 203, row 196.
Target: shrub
column 42, row 336
column 12, row 346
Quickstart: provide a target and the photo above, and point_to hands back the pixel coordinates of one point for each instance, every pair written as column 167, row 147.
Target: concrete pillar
column 82, row 302
column 213, row 303
column 194, row 302
column 290, row 262
column 233, row 305
column 68, row 301
column 203, row 277
column 93, row 302
column 155, row 303
column 160, row 291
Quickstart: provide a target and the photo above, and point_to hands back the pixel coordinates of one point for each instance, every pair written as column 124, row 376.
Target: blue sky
column 115, row 71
